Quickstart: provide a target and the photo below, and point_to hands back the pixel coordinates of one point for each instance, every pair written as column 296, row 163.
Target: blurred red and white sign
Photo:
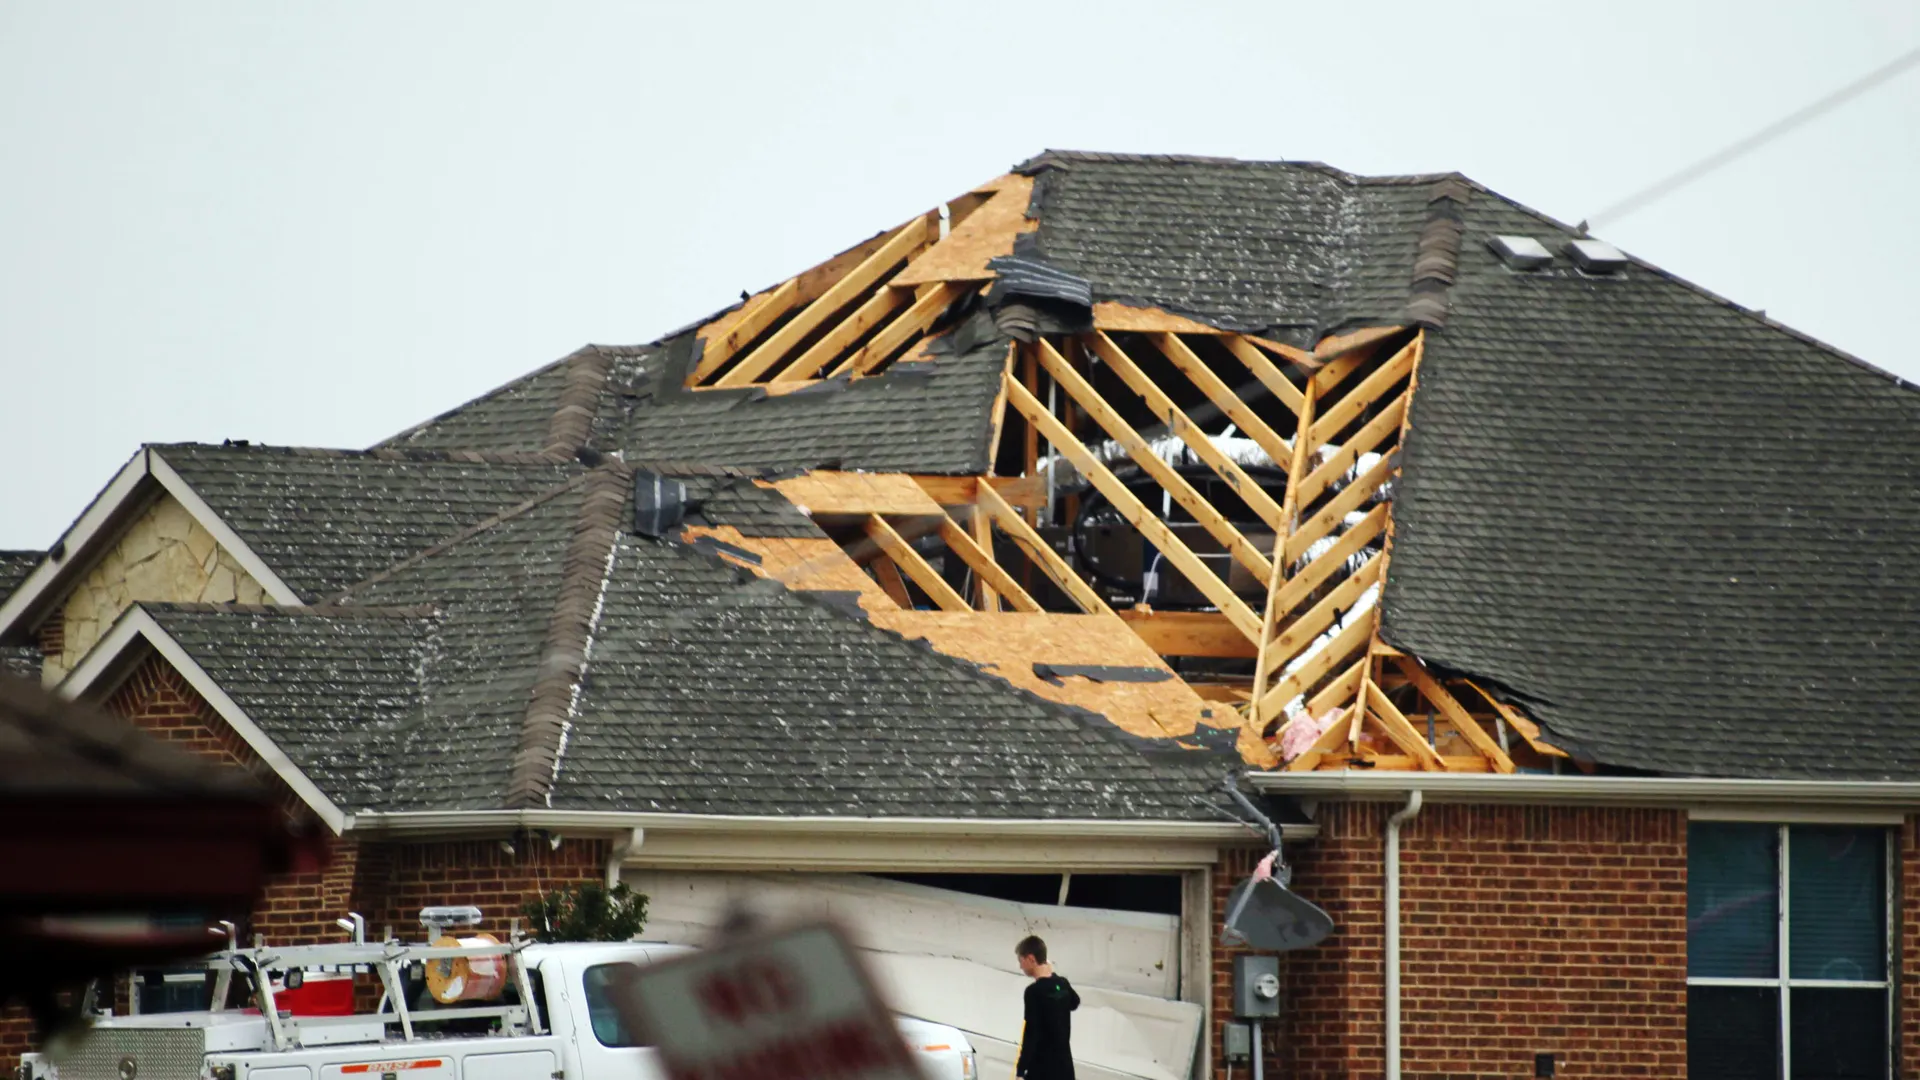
column 796, row 1005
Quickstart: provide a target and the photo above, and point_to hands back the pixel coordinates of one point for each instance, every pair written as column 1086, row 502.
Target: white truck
column 553, row 1019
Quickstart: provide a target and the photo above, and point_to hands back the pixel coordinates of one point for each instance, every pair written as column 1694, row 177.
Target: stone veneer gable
column 164, row 556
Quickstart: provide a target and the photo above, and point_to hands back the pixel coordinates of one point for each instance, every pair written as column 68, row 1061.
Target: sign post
column 795, row 1004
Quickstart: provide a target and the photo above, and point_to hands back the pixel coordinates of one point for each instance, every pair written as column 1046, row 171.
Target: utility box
column 1256, row 986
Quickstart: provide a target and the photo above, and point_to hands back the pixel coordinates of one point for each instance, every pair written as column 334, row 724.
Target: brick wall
column 1524, row 930
column 387, row 881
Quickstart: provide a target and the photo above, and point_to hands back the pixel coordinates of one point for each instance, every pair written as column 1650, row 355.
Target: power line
column 1798, row 118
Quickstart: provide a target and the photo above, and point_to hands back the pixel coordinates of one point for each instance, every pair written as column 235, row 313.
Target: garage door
column 947, row 956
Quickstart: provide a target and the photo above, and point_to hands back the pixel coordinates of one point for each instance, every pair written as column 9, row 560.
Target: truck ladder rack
column 387, row 960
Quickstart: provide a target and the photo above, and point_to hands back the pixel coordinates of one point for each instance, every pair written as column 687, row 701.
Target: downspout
column 1400, row 818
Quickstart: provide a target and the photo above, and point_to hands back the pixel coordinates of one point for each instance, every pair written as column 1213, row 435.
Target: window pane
column 1733, row 902
column 1733, row 1033
column 599, row 982
column 1837, row 896
column 1839, row 1034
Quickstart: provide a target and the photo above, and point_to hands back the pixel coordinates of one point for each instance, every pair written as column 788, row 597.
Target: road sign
column 795, row 1004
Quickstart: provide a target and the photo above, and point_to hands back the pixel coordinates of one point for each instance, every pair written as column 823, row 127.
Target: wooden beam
column 770, row 352
column 888, row 575
column 864, row 318
column 1135, row 512
column 1351, row 543
column 1303, row 631
column 998, row 418
column 1353, row 637
column 992, row 576
column 964, row 490
column 1266, row 371
column 1342, row 365
column 1337, row 508
column 1041, row 553
column 1343, row 460
column 1370, row 389
column 1222, row 396
column 1188, row 432
column 1463, row 722
column 927, row 307
column 832, row 492
column 982, row 537
column 917, row 568
column 1226, row 693
column 1289, row 510
column 1189, row 633
column 1081, row 391
column 1398, row 728
column 1341, row 344
column 1342, row 691
column 1528, row 730
column 756, row 315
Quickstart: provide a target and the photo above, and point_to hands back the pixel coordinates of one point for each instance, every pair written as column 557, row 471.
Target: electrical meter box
column 1256, row 986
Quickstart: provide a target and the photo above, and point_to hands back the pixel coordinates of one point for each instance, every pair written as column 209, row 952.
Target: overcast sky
column 317, row 224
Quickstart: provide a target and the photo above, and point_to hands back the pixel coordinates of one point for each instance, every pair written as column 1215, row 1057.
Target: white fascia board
column 1543, row 789
column 135, row 625
column 222, row 534
column 618, row 822
column 124, row 486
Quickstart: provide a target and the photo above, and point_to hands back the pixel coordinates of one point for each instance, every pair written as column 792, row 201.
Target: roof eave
column 1546, row 789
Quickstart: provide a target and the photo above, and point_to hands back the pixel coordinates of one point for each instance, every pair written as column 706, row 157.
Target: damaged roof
column 1681, row 536
column 675, row 681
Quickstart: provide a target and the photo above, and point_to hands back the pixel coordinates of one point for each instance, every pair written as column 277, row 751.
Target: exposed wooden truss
column 1255, row 477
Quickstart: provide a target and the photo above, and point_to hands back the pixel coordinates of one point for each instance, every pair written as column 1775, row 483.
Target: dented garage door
column 947, row 956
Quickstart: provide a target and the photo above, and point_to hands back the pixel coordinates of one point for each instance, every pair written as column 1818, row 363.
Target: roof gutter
column 444, row 822
column 1356, row 785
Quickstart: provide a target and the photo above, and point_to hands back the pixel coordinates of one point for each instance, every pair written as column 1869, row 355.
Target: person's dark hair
column 1031, row 945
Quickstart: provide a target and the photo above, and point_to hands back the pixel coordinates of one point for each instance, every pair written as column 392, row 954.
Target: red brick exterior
column 387, row 881
column 1514, row 930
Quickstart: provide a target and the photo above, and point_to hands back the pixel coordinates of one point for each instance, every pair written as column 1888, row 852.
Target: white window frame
column 1784, row 983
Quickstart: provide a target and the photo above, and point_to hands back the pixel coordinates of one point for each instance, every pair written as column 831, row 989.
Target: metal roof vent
column 1596, row 256
column 1521, row 252
column 659, row 504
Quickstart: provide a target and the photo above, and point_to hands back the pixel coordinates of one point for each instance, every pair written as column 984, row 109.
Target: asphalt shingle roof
column 14, row 568
column 514, row 417
column 712, row 692
column 1688, row 540
column 338, row 692
column 324, row 520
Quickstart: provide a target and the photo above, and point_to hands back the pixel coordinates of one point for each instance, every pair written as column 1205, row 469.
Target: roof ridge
column 331, row 610
column 572, row 422
column 461, row 537
column 569, row 639
column 383, row 453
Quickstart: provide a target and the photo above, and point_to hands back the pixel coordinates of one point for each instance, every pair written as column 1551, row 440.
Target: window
column 601, row 1013
column 1787, row 941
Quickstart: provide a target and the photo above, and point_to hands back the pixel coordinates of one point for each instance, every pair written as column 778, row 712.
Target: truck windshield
column 607, row 1028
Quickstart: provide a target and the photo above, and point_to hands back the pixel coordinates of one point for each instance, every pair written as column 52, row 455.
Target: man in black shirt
column 1046, row 1043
